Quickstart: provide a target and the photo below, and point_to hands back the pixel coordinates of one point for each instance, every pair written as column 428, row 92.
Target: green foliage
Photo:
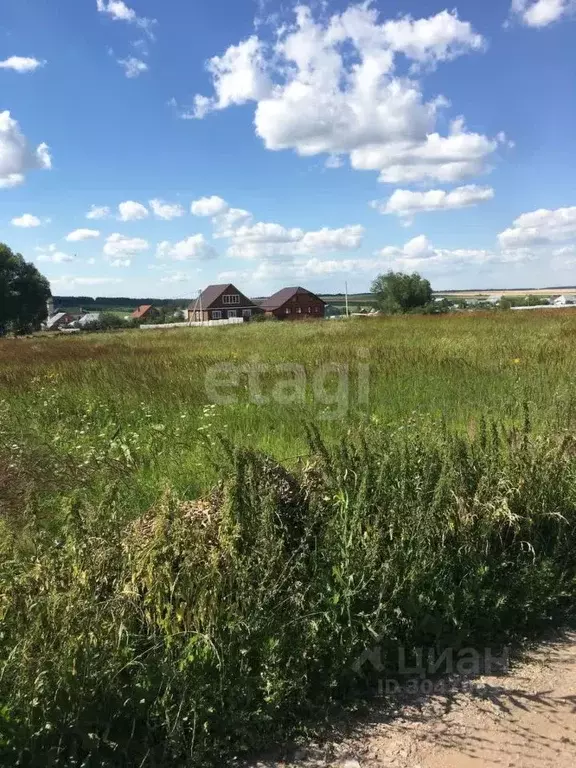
column 23, row 293
column 109, row 321
column 398, row 292
column 204, row 629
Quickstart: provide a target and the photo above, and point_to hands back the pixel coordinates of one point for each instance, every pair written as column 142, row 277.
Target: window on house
column 216, row 314
column 231, row 298
column 309, row 310
column 288, row 310
column 299, row 310
column 232, row 313
column 198, row 315
column 316, row 309
column 247, row 312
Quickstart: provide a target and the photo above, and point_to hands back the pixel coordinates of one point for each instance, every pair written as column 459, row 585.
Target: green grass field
column 411, row 477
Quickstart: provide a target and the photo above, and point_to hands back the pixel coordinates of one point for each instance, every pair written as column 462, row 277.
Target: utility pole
column 347, row 310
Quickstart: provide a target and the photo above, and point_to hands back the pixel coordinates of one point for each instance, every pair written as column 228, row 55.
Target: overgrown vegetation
column 182, row 581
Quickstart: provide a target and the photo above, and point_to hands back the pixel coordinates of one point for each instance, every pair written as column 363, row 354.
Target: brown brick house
column 220, row 302
column 294, row 304
column 145, row 312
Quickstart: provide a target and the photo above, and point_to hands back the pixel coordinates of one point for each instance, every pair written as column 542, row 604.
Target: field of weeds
column 201, row 530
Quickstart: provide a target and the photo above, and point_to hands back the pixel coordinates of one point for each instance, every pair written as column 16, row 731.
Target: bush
column 261, row 317
column 109, row 321
column 209, row 627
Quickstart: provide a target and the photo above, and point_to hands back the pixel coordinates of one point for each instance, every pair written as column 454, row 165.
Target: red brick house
column 294, row 304
column 145, row 312
column 220, row 302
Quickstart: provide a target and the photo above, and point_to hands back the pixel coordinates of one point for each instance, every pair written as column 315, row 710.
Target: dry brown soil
column 524, row 719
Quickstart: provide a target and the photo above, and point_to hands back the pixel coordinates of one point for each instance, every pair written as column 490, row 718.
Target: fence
column 194, row 323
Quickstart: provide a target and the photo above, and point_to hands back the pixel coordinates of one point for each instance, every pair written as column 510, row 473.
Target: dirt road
column 525, row 719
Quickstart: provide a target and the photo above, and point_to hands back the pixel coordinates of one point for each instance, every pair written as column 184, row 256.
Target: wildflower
column 516, row 361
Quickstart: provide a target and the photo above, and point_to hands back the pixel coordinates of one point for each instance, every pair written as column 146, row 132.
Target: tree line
column 113, row 302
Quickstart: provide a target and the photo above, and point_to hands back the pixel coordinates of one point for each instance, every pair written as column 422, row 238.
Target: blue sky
column 149, row 148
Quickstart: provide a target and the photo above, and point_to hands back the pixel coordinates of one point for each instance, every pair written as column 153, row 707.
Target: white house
column 88, row 319
column 564, row 300
column 58, row 320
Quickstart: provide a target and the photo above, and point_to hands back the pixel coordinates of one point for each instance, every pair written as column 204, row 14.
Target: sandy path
column 525, row 719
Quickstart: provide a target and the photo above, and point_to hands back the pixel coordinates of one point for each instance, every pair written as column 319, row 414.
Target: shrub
column 209, row 627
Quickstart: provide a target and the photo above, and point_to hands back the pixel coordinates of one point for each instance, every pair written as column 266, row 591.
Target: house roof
column 213, row 292
column 55, row 319
column 89, row 317
column 285, row 294
column 141, row 310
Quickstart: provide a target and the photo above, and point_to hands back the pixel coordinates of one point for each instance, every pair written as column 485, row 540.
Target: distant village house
column 294, row 304
column 565, row 300
column 221, row 302
column 90, row 318
column 59, row 320
column 145, row 312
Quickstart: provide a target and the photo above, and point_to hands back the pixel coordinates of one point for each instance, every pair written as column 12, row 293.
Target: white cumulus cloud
column 332, row 87
column 55, row 257
column 226, row 223
column 82, row 234
column 133, row 67
column 419, row 253
column 166, row 211
column 209, row 206
column 98, row 212
column 193, row 248
column 407, row 203
column 540, row 228
column 119, row 11
column 16, row 157
column 26, row 221
column 21, row 64
column 439, row 38
column 446, row 159
column 268, row 240
column 132, row 211
column 120, row 249
column 541, row 13
column 239, row 76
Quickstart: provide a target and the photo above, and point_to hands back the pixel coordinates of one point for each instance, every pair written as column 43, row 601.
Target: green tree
column 399, row 292
column 23, row 293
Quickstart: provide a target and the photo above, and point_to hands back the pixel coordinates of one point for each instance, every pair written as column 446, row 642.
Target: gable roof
column 141, row 310
column 89, row 317
column 55, row 319
column 213, row 292
column 285, row 294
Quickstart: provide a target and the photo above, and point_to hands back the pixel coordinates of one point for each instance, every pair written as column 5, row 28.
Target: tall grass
column 181, row 583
